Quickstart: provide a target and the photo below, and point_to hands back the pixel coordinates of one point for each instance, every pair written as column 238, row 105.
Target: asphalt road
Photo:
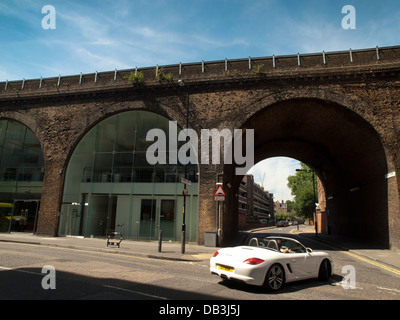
column 87, row 275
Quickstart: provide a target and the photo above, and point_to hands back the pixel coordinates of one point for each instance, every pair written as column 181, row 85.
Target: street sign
column 219, row 198
column 186, row 181
column 219, row 192
column 390, row 175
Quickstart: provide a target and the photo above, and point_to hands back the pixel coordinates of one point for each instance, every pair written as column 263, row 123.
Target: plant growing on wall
column 136, row 78
column 257, row 68
column 162, row 76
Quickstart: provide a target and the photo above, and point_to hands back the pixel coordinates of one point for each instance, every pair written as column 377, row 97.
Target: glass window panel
column 31, row 141
column 102, row 167
column 123, row 163
column 126, row 132
column 3, row 130
column 22, row 157
column 15, row 132
column 143, row 171
column 123, row 159
column 146, row 122
column 88, row 143
column 105, row 137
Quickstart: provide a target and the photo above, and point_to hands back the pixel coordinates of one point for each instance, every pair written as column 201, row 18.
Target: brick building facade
column 255, row 203
column 338, row 112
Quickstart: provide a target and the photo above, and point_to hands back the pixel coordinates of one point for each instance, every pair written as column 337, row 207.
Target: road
column 87, row 275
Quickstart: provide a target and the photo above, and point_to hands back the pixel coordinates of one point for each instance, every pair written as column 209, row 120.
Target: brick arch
column 345, row 149
column 351, row 102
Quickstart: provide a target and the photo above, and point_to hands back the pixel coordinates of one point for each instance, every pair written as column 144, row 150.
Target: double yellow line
column 372, row 262
column 365, row 259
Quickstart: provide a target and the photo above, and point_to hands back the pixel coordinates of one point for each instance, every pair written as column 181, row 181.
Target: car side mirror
column 309, row 250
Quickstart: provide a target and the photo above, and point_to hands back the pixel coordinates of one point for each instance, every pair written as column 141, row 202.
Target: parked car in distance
column 282, row 223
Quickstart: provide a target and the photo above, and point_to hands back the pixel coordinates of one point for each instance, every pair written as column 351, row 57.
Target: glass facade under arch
column 110, row 186
column 21, row 177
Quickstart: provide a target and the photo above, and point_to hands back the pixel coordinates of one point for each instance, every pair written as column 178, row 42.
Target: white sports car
column 271, row 262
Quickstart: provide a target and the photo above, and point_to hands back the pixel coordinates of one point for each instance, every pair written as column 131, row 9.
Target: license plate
column 225, row 268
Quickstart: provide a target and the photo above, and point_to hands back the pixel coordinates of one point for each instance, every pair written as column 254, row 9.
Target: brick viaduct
column 339, row 112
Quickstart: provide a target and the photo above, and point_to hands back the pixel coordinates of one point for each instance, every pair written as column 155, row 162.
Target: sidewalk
column 148, row 249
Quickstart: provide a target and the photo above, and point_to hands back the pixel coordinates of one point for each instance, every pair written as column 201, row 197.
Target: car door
column 301, row 262
column 303, row 265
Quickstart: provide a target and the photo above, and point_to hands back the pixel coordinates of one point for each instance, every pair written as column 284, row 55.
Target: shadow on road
column 26, row 284
column 287, row 288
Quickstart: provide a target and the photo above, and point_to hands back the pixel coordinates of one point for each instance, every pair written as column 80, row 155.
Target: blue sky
column 103, row 35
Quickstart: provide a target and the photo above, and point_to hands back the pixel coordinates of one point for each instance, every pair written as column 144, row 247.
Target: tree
column 301, row 186
column 290, row 205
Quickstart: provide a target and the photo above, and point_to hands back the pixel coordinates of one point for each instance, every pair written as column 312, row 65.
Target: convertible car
column 271, row 262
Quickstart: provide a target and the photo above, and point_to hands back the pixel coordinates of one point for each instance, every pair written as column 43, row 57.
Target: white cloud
column 272, row 174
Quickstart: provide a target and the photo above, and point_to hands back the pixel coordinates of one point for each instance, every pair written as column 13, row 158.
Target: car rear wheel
column 275, row 278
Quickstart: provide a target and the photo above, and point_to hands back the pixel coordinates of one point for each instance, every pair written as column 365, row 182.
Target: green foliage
column 257, row 68
column 280, row 216
column 136, row 78
column 290, row 205
column 162, row 76
column 301, row 186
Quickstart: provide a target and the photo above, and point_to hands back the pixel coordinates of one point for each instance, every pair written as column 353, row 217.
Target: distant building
column 255, row 203
column 281, row 207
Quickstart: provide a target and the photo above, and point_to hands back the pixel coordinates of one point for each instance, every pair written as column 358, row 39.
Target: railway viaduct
column 339, row 112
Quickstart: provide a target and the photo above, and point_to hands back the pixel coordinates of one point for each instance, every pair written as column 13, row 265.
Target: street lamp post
column 185, row 191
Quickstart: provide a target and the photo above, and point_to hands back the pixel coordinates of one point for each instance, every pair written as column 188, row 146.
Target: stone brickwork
column 341, row 117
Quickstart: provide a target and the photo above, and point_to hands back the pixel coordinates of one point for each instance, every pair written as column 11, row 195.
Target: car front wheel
column 324, row 270
column 275, row 278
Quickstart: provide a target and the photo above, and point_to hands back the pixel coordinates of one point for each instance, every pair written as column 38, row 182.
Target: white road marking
column 136, row 292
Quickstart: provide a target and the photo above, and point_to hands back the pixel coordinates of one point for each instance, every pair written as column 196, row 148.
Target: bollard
column 159, row 240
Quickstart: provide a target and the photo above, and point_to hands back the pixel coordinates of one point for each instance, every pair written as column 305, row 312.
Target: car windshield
column 282, row 245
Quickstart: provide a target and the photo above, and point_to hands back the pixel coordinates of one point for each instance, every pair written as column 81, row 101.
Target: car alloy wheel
column 275, row 278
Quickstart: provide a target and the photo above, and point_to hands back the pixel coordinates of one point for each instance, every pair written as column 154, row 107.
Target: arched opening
column 21, row 177
column 342, row 148
column 264, row 192
column 110, row 186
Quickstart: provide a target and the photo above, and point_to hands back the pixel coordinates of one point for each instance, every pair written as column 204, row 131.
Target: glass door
column 73, row 219
column 155, row 215
column 167, row 218
column 147, row 218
